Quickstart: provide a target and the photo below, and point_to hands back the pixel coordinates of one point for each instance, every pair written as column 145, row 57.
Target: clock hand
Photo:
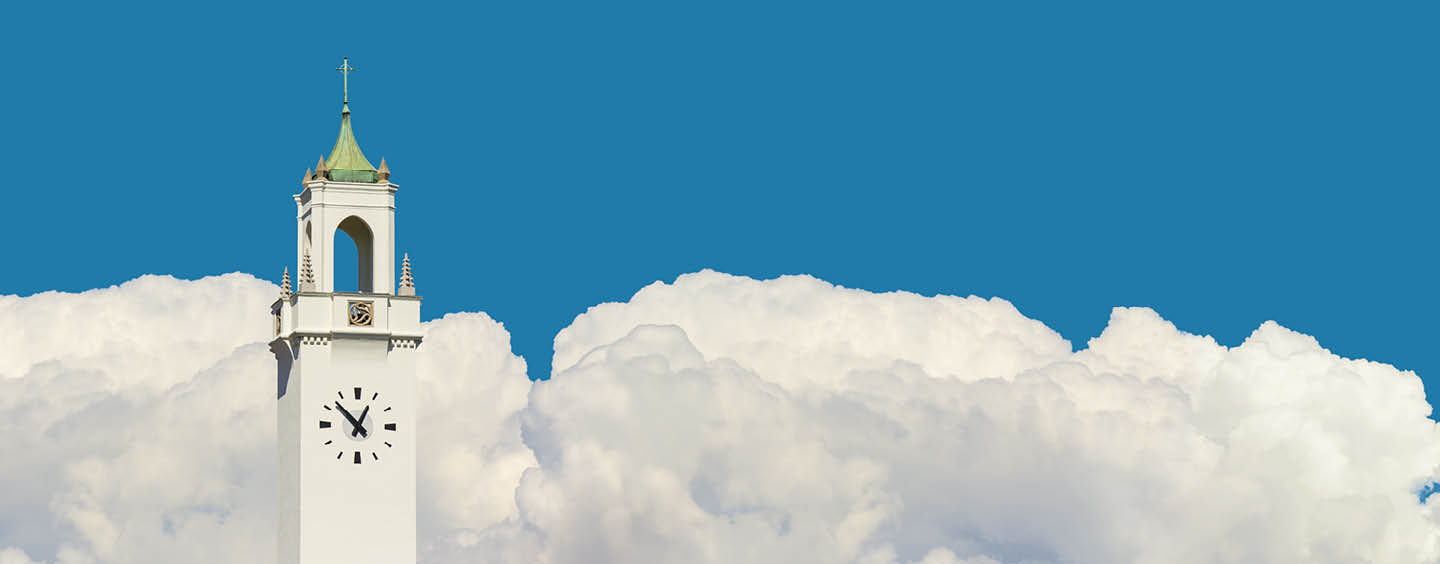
column 358, row 425
column 347, row 415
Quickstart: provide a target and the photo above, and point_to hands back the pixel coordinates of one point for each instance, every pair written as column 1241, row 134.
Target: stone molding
column 319, row 340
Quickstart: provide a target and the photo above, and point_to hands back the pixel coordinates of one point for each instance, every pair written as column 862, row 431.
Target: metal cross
column 345, row 69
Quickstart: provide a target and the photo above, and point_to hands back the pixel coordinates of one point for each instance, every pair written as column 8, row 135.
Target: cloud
column 724, row 419
column 144, row 419
column 109, row 402
column 472, row 389
column 14, row 556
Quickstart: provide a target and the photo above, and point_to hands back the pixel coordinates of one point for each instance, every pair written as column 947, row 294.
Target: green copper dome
column 346, row 163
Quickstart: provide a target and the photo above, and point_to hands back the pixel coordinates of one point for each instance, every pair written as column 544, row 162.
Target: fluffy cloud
column 472, row 389
column 143, row 417
column 723, row 419
column 111, row 403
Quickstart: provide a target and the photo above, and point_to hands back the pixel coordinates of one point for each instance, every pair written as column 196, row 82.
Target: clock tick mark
column 357, row 457
column 357, row 393
column 328, row 442
column 327, row 408
column 341, row 394
column 339, row 454
column 324, row 424
column 388, row 445
column 387, row 409
column 389, row 426
column 372, row 453
column 377, row 394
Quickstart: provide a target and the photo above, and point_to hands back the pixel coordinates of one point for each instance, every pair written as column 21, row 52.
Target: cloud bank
column 724, row 419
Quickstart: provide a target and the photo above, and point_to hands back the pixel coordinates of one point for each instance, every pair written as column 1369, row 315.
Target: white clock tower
column 346, row 372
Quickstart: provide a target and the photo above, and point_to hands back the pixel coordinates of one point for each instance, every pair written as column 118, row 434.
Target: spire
column 285, row 284
column 384, row 172
column 307, row 276
column 407, row 283
column 346, row 163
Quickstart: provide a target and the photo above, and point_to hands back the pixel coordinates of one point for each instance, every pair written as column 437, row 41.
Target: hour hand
column 359, row 428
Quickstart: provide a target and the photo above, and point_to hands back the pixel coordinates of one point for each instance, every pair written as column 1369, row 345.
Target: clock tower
column 345, row 372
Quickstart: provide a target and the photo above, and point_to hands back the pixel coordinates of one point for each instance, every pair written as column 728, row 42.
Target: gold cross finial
column 345, row 69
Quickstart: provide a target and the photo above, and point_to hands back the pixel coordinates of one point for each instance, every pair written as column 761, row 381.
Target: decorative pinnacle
column 285, row 284
column 345, row 69
column 307, row 275
column 407, row 283
column 384, row 172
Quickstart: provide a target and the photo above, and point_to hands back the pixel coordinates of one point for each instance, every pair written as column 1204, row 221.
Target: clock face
column 358, row 425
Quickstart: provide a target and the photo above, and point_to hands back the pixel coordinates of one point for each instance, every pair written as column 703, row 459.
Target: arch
column 364, row 239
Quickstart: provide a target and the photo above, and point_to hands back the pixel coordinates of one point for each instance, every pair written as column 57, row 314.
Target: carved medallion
column 362, row 314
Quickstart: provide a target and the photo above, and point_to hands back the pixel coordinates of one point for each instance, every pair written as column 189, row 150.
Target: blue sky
column 1225, row 163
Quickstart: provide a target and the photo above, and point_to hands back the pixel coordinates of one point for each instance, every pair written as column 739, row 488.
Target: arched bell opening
column 361, row 254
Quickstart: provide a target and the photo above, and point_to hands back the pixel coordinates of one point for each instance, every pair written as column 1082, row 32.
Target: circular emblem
column 362, row 314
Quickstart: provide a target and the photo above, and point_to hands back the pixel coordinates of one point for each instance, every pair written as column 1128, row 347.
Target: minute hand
column 347, row 415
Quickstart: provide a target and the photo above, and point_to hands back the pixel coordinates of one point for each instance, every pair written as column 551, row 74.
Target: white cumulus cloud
column 140, row 422
column 724, row 419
